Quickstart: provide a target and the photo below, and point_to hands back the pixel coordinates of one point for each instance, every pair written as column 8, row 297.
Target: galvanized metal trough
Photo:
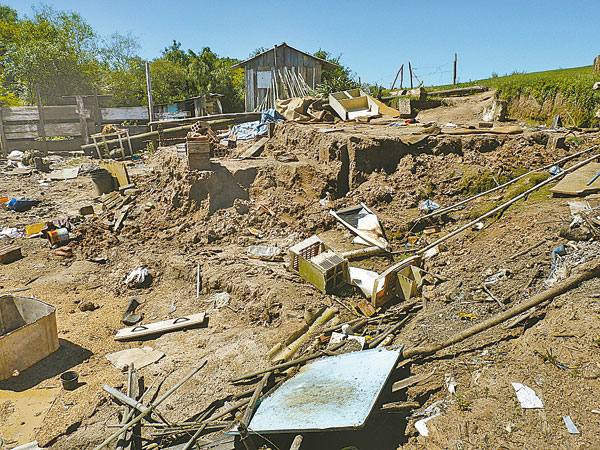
column 27, row 333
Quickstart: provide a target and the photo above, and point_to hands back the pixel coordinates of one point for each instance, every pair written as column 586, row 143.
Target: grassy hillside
column 564, row 91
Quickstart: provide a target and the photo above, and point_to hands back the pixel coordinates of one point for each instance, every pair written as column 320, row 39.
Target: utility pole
column 411, row 74
column 149, row 89
column 454, row 77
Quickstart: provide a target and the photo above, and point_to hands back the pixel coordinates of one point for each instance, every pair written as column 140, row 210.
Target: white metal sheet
column 263, row 79
column 337, row 392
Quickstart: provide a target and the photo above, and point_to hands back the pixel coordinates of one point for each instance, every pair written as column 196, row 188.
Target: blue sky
column 373, row 38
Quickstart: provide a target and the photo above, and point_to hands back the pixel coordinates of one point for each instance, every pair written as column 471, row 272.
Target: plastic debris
column 264, row 252
column 428, row 206
column 16, row 155
column 502, row 274
column 570, row 425
column 11, row 233
column 554, row 170
column 450, row 383
column 433, row 410
column 527, row 397
column 23, row 204
column 137, row 278
column 218, row 300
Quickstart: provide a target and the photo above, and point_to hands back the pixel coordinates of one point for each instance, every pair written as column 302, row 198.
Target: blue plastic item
column 21, row 205
column 554, row 170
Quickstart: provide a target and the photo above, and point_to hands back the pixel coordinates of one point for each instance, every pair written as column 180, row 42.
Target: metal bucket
column 58, row 237
column 70, row 380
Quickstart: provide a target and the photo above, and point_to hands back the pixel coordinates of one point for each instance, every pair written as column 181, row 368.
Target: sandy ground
column 180, row 220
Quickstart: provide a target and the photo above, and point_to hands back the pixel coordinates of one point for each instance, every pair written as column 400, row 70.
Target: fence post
column 41, row 123
column 3, row 136
column 454, row 76
column 83, row 115
column 149, row 91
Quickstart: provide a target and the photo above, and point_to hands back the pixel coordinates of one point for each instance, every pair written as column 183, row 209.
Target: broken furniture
column 364, row 223
column 318, row 264
column 401, row 280
column 27, row 333
column 334, row 393
column 198, row 152
column 120, row 135
column 352, row 104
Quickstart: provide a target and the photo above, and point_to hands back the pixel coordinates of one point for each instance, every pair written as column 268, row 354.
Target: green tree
column 339, row 79
column 56, row 51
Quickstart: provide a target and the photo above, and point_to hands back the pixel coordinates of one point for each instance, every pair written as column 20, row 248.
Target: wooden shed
column 267, row 71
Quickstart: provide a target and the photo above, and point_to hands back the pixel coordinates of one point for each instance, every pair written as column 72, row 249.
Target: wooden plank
column 120, row 114
column 60, row 113
column 410, row 381
column 16, row 113
column 30, row 131
column 160, row 327
column 117, row 169
column 30, row 113
column 3, row 143
column 67, row 145
column 255, row 149
column 400, row 406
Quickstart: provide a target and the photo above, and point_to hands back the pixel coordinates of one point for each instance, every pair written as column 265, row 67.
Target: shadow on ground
column 67, row 356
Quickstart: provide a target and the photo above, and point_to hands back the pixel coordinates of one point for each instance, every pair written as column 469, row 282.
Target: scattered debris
column 365, row 224
column 139, row 357
column 139, row 278
column 129, row 316
column 570, row 425
column 527, row 397
column 264, row 252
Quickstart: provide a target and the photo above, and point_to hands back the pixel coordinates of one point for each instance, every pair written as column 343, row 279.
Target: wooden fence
column 34, row 127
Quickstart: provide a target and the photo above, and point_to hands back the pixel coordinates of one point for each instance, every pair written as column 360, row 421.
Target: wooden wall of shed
column 20, row 127
column 283, row 56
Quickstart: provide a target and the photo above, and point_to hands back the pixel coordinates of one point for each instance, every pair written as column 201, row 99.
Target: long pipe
column 456, row 205
column 508, row 203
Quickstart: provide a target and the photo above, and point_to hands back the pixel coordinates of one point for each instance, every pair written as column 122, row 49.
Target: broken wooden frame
column 352, row 104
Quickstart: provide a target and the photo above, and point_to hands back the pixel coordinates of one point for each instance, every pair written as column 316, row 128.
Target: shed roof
column 322, row 61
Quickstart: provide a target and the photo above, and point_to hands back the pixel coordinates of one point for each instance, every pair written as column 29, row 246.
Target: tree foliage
column 62, row 54
column 59, row 52
column 339, row 79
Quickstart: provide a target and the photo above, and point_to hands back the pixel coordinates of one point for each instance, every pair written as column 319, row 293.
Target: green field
column 575, row 86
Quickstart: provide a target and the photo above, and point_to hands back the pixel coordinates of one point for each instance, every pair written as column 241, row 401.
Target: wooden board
column 120, row 114
column 160, row 327
column 53, row 146
column 255, row 149
column 117, row 169
column 575, row 183
column 30, row 130
column 385, row 109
